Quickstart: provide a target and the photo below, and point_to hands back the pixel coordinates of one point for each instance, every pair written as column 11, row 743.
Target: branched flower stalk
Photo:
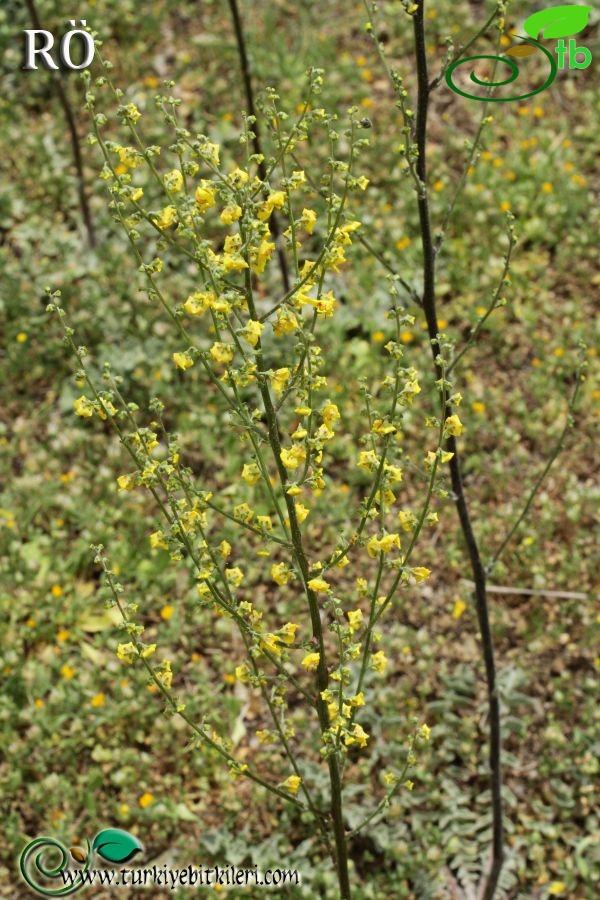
column 261, row 357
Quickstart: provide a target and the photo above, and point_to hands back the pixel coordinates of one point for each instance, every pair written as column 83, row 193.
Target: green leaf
column 561, row 21
column 116, row 845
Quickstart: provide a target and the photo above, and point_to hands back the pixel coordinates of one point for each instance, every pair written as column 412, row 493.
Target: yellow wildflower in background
column 146, row 799
column 379, row 662
column 280, row 573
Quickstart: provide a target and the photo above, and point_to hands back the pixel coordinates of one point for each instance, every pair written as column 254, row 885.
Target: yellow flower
column 126, row 482
column 261, row 255
column 225, row 549
column 222, row 353
column 280, row 573
column 231, row 214
column 357, row 700
column 330, row 413
column 238, row 177
column 556, row 888
column 394, row 474
column 67, row 672
column 165, row 218
column 275, row 200
column 301, row 512
column 158, row 541
column 287, row 634
column 355, row 618
column 357, row 736
column 379, row 662
column 205, row 195
column 367, row 460
column 458, row 608
column 167, row 612
column 63, row 634
column 292, row 784
column 146, row 799
column 424, row 732
column 294, row 457
column 381, row 427
column 252, row 331
column 129, row 157
column 210, row 152
column 270, row 642
column 21, row 337
column 233, row 262
column 420, row 573
column 173, row 181
column 56, row 591
column 547, row 187
column 165, row 675
column 83, row 407
column 183, row 360
column 319, row 585
column 285, row 323
column 251, row 473
column 98, row 700
column 126, row 653
column 389, row 542
column 453, row 426
column 478, row 407
column 199, row 302
column 311, row 661
column 308, row 220
column 242, row 511
column 234, row 576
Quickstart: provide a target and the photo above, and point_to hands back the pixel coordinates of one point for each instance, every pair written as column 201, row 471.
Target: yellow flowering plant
column 263, row 357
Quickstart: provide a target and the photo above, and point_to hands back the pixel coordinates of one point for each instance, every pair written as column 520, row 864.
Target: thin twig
column 479, row 574
column 532, row 592
column 538, row 483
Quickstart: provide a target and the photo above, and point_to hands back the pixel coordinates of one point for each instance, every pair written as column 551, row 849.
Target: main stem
column 479, row 576
column 335, row 779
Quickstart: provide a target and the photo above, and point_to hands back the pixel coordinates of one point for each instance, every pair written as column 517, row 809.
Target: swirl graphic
column 32, row 865
column 513, row 76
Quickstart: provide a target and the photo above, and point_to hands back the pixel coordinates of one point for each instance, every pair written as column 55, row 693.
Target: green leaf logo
column 116, row 845
column 561, row 21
